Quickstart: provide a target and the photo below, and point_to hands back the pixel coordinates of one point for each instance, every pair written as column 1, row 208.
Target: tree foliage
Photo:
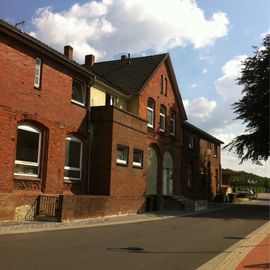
column 253, row 108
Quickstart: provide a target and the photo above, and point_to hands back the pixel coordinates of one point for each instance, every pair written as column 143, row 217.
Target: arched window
column 73, row 164
column 172, row 123
column 162, row 118
column 28, row 150
column 161, row 84
column 150, row 112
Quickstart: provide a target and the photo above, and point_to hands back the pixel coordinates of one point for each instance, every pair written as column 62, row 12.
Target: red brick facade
column 203, row 160
column 163, row 141
column 49, row 109
column 108, row 184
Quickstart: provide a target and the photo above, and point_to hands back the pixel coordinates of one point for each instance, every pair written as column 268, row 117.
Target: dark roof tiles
column 128, row 75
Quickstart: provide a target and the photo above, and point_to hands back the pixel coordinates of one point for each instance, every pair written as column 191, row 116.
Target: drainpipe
column 90, row 131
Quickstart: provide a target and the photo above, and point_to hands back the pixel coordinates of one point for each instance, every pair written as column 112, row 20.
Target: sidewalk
column 13, row 227
column 253, row 252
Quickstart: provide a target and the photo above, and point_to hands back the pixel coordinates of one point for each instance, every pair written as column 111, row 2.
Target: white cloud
column 226, row 85
column 204, row 71
column 200, row 107
column 264, row 34
column 108, row 27
column 194, row 85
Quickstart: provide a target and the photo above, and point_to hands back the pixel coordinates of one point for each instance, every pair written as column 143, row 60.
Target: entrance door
column 152, row 170
column 167, row 185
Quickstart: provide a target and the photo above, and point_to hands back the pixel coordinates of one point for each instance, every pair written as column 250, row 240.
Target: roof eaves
column 38, row 45
column 202, row 132
column 143, row 85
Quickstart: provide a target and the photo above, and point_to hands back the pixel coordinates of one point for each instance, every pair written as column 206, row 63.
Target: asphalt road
column 177, row 243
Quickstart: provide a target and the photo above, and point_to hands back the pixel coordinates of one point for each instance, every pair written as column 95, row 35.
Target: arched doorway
column 152, row 171
column 167, row 180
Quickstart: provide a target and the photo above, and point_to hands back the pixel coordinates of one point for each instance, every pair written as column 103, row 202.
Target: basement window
column 122, row 155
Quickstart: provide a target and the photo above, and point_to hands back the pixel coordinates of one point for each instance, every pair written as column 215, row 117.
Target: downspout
column 90, row 131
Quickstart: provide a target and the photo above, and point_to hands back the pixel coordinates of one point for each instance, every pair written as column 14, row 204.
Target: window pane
column 172, row 123
column 27, row 146
column 73, row 154
column 26, row 169
column 78, row 92
column 150, row 117
column 150, row 104
column 162, row 118
column 72, row 174
column 122, row 154
column 137, row 157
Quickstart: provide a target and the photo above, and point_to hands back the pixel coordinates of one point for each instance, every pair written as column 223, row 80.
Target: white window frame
column 140, row 163
column 125, row 160
column 68, row 168
column 84, row 92
column 29, row 163
column 162, row 118
column 38, row 73
column 172, row 123
column 152, row 112
column 113, row 100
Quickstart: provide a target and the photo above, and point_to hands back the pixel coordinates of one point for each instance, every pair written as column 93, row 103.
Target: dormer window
column 78, row 93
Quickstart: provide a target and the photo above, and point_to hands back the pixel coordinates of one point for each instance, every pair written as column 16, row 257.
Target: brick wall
column 163, row 141
column 114, row 127
column 81, row 206
column 48, row 108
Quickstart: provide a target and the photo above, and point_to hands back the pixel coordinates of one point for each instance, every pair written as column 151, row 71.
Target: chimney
column 68, row 52
column 89, row 60
column 123, row 57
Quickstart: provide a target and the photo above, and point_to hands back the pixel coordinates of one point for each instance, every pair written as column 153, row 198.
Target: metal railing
column 48, row 206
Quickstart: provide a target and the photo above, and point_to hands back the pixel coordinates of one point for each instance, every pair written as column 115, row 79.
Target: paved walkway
column 253, row 252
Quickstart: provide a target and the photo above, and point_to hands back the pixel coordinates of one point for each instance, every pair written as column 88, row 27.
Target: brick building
column 44, row 121
column 202, row 159
column 146, row 87
column 98, row 137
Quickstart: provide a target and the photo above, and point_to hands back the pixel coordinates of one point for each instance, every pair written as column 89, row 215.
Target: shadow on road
column 141, row 250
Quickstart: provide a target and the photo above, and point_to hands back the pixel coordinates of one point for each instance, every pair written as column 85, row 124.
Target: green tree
column 253, row 108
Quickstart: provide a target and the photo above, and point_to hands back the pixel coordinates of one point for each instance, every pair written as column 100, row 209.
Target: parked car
column 246, row 193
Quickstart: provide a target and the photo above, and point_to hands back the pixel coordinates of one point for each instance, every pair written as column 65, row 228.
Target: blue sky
column 206, row 39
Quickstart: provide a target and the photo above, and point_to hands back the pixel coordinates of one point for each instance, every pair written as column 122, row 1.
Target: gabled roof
column 203, row 134
column 36, row 44
column 130, row 75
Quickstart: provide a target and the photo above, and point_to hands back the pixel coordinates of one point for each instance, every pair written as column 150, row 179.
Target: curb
column 35, row 226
